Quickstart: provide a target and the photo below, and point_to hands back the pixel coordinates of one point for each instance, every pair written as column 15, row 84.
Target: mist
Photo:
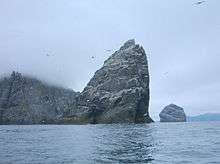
column 65, row 42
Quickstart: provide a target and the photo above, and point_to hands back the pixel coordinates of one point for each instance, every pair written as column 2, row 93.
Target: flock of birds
column 93, row 57
column 110, row 50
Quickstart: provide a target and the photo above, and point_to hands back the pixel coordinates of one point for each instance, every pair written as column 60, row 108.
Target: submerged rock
column 172, row 113
column 118, row 93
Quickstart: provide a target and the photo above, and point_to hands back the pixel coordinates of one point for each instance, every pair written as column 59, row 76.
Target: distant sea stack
column 118, row 93
column 172, row 113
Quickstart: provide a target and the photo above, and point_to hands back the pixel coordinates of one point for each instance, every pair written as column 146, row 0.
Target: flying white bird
column 166, row 73
column 199, row 2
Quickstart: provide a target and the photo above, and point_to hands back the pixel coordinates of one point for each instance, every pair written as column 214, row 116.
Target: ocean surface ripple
column 192, row 142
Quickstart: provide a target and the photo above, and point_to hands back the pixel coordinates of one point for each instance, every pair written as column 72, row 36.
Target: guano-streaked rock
column 117, row 93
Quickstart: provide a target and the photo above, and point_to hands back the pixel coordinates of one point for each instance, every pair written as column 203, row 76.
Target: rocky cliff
column 172, row 113
column 25, row 100
column 118, row 93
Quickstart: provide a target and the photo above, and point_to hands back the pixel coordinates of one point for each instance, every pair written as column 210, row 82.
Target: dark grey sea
column 192, row 142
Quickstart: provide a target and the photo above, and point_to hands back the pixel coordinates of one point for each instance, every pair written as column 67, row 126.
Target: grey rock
column 172, row 113
column 25, row 100
column 119, row 91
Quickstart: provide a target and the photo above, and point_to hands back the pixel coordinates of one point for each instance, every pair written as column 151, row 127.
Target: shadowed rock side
column 118, row 93
column 172, row 113
column 26, row 100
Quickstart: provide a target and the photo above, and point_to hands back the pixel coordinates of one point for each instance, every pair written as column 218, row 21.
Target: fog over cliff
column 65, row 42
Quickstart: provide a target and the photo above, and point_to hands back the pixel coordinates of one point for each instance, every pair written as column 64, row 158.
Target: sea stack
column 119, row 91
column 172, row 113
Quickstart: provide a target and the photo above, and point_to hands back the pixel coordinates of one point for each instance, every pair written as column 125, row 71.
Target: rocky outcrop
column 25, row 100
column 118, row 93
column 172, row 113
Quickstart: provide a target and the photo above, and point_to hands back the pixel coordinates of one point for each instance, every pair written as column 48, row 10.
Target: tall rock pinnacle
column 119, row 91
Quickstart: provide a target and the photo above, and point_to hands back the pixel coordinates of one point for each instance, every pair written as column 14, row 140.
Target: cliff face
column 26, row 100
column 172, row 113
column 118, row 93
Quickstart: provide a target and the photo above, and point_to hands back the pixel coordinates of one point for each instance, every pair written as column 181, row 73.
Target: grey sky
column 181, row 39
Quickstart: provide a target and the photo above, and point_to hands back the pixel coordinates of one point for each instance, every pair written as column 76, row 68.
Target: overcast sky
column 182, row 41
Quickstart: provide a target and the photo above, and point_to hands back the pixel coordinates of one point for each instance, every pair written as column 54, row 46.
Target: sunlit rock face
column 172, row 113
column 119, row 91
column 25, row 100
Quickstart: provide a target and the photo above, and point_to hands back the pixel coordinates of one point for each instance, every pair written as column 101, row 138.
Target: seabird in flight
column 108, row 50
column 199, row 2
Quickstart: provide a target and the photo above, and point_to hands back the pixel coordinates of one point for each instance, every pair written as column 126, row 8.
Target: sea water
column 192, row 142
